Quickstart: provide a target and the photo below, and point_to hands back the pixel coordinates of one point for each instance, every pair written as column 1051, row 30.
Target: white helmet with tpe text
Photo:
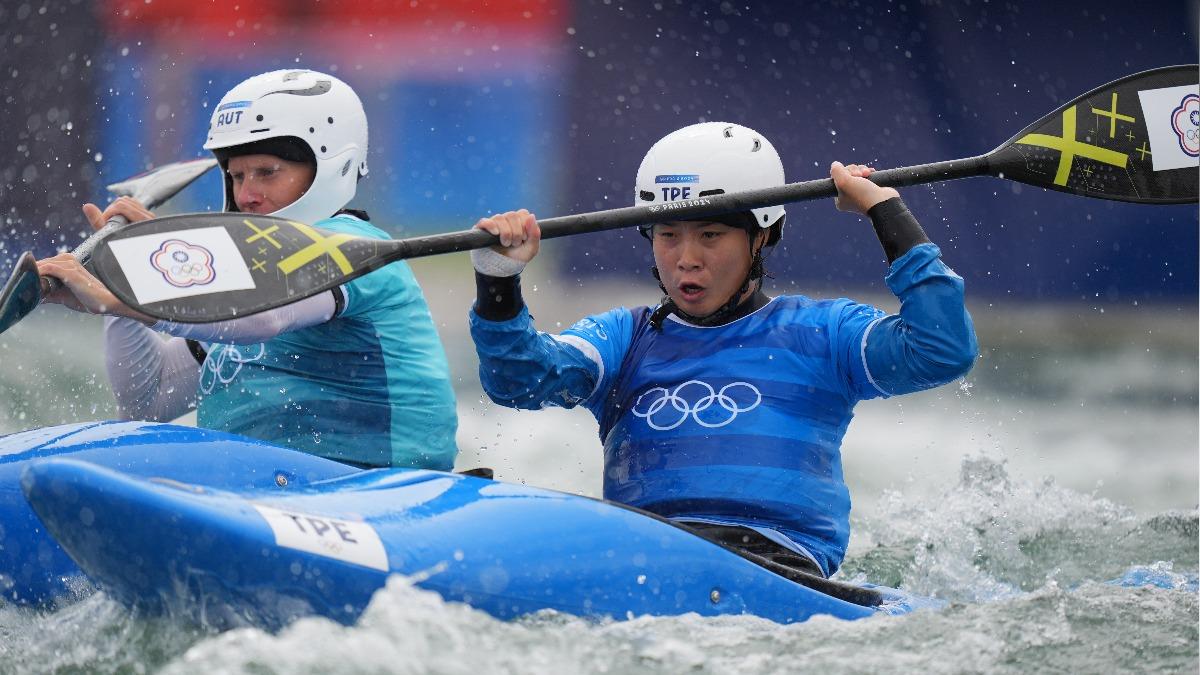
column 710, row 158
column 301, row 115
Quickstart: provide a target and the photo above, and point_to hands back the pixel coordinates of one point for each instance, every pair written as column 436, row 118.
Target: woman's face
column 264, row 184
column 701, row 264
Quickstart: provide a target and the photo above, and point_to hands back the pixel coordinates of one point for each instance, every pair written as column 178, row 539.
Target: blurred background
column 1086, row 309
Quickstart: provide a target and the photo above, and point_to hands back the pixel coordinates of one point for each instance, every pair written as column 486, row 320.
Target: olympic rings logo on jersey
column 711, row 409
column 183, row 264
column 224, row 363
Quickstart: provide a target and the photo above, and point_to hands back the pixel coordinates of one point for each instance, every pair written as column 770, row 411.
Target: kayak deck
column 34, row 570
column 259, row 557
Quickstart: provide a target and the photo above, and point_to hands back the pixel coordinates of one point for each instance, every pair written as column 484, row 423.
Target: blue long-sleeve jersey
column 742, row 423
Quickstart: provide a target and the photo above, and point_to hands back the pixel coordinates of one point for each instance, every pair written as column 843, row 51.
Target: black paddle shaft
column 270, row 247
column 692, row 209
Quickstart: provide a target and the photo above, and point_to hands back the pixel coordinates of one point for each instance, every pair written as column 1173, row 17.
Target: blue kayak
column 263, row 556
column 34, row 570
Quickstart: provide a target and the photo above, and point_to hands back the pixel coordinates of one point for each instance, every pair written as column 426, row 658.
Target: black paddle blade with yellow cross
column 206, row 267
column 1135, row 140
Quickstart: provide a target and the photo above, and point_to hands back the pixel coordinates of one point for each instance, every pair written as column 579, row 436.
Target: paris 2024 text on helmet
column 318, row 110
column 712, row 158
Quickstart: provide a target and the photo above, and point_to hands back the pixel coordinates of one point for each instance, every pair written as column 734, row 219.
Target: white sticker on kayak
column 1173, row 123
column 346, row 540
column 181, row 264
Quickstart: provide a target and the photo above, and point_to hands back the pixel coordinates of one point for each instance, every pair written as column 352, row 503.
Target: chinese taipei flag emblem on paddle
column 1173, row 126
column 183, row 264
column 199, row 261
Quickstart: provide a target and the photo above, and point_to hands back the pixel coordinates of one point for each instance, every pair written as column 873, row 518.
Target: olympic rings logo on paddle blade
column 1185, row 120
column 730, row 401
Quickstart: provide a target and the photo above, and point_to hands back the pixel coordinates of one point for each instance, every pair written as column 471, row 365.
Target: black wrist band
column 896, row 227
column 498, row 298
column 339, row 301
column 197, row 350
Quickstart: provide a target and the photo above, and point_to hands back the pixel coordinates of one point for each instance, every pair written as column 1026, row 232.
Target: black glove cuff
column 498, row 298
column 896, row 228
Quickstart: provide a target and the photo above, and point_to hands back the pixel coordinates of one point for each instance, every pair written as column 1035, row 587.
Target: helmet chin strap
column 721, row 314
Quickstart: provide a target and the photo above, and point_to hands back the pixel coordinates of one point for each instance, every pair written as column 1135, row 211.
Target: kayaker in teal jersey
column 721, row 408
column 356, row 374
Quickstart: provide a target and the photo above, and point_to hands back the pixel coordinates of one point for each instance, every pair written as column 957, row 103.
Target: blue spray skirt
column 34, row 570
column 263, row 555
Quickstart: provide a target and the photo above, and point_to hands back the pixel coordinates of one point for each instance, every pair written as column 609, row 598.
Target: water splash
column 991, row 538
column 1159, row 575
column 94, row 635
column 1053, row 629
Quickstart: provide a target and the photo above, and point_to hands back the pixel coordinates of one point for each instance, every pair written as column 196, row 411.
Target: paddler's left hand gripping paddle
column 23, row 291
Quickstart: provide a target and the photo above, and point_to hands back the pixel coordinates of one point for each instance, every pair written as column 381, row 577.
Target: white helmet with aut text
column 299, row 115
column 707, row 159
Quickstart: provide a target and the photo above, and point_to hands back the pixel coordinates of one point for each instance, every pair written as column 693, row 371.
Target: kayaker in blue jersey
column 723, row 408
column 356, row 374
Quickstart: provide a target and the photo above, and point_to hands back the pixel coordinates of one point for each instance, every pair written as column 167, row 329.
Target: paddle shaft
column 370, row 254
column 690, row 209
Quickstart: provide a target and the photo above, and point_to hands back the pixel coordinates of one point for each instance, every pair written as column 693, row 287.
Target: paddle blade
column 204, row 267
column 21, row 293
column 1133, row 140
column 157, row 185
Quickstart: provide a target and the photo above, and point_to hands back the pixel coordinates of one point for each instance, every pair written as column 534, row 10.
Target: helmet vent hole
column 709, row 193
column 330, row 120
column 312, row 130
column 646, row 195
column 259, row 118
column 728, row 132
column 322, row 148
column 346, row 168
column 757, row 145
